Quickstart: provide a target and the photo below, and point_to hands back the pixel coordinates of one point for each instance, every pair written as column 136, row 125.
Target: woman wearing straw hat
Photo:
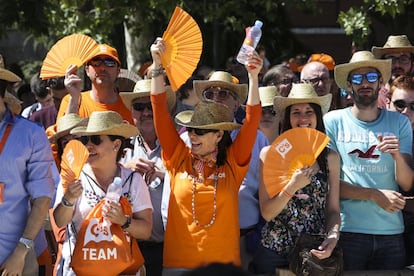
column 104, row 137
column 270, row 121
column 203, row 224
column 304, row 205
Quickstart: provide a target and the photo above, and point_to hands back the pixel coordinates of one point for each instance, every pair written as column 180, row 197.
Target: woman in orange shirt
column 203, row 223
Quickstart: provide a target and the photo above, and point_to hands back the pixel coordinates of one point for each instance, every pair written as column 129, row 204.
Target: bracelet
column 286, row 193
column 156, row 72
column 127, row 223
column 66, row 203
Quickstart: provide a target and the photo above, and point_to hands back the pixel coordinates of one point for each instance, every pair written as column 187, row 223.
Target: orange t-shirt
column 187, row 245
column 88, row 105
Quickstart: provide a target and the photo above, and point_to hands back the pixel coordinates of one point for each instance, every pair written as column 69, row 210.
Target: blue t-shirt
column 364, row 166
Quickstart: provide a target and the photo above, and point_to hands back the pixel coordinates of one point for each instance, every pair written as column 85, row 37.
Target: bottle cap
column 258, row 23
column 117, row 180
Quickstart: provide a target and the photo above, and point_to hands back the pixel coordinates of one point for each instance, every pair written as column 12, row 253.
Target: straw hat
column 106, row 123
column 6, row 74
column 361, row 59
column 302, row 93
column 65, row 124
column 142, row 88
column 394, row 44
column 224, row 80
column 267, row 94
column 208, row 115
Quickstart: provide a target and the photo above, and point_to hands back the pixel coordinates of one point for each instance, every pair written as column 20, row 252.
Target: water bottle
column 113, row 193
column 253, row 35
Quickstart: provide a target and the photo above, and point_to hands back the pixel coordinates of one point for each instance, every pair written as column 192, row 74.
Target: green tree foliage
column 357, row 21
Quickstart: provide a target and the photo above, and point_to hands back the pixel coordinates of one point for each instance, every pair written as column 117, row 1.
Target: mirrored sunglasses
column 400, row 105
column 95, row 139
column 98, row 61
column 218, row 93
column 142, row 106
column 199, row 131
column 371, row 77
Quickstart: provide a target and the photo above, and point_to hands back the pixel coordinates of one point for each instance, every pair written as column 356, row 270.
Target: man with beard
column 102, row 69
column 399, row 49
column 373, row 148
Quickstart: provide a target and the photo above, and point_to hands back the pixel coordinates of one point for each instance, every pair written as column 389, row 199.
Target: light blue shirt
column 365, row 166
column 26, row 171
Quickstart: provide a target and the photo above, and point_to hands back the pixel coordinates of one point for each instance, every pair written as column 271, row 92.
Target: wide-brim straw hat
column 394, row 44
column 142, row 88
column 106, row 123
column 302, row 93
column 14, row 104
column 361, row 59
column 267, row 94
column 208, row 115
column 224, row 80
column 6, row 74
column 65, row 124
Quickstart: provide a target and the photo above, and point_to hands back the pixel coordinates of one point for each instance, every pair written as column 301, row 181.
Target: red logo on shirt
column 366, row 155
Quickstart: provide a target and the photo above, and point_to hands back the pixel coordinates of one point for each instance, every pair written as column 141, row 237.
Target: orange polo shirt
column 88, row 105
column 187, row 245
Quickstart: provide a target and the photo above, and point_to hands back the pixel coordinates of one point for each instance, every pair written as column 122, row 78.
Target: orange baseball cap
column 323, row 58
column 105, row 50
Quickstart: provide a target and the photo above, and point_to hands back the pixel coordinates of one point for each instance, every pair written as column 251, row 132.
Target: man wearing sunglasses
column 401, row 99
column 371, row 151
column 102, row 69
column 400, row 50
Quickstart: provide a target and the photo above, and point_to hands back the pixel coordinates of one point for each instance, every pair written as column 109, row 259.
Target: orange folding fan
column 74, row 157
column 292, row 150
column 72, row 49
column 183, row 47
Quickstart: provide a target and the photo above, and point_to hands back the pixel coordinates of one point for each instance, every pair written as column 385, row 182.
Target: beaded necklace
column 213, row 218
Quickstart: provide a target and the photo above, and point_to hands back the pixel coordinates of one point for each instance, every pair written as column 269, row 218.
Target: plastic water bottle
column 253, row 35
column 113, row 193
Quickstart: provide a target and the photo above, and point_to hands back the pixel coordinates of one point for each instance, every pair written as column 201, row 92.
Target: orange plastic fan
column 183, row 47
column 292, row 150
column 74, row 157
column 72, row 49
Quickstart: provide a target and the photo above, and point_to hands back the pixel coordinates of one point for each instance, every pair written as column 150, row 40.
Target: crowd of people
column 191, row 165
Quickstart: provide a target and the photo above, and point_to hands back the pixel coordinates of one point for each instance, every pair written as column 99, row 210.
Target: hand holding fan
column 183, row 47
column 72, row 49
column 292, row 150
column 74, row 157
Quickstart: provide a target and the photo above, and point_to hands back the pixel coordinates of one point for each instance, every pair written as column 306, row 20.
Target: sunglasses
column 285, row 81
column 142, row 106
column 315, row 81
column 95, row 139
column 268, row 110
column 220, row 94
column 403, row 59
column 371, row 77
column 400, row 105
column 107, row 62
column 199, row 131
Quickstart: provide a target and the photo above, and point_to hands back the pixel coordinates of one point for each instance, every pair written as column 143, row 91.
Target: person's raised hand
column 72, row 81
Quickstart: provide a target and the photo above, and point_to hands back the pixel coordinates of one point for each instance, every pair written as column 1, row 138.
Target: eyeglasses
column 95, row 139
column 403, row 59
column 400, row 105
column 315, row 81
column 107, row 62
column 285, row 81
column 371, row 77
column 219, row 93
column 268, row 110
column 199, row 131
column 142, row 106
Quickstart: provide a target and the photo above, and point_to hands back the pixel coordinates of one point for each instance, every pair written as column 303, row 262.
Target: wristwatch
column 27, row 242
column 127, row 223
column 66, row 202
